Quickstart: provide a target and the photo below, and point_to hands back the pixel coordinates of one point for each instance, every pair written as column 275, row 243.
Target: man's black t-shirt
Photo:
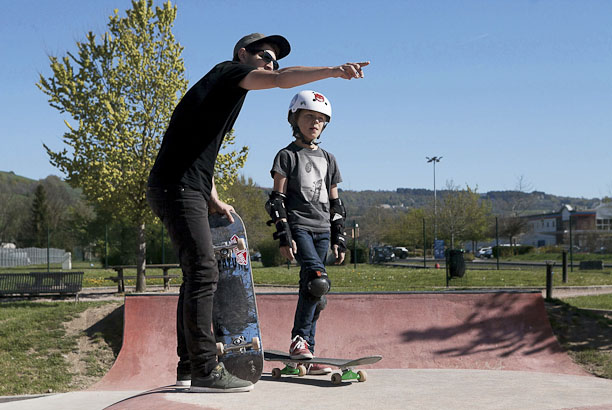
column 199, row 122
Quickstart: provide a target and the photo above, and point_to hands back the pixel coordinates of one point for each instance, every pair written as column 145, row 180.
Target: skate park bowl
column 425, row 330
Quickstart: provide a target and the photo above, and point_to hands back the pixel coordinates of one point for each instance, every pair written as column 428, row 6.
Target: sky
column 511, row 94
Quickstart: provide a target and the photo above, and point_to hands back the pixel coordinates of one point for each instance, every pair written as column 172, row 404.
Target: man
column 181, row 188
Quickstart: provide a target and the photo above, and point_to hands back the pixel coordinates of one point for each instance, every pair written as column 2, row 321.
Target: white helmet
column 310, row 100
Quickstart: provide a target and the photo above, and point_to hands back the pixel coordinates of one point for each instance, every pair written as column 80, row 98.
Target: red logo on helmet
column 319, row 97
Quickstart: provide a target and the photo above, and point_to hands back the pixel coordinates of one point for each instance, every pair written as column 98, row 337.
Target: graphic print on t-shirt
column 312, row 179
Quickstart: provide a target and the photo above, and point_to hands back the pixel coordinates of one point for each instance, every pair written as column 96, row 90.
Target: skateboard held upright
column 235, row 320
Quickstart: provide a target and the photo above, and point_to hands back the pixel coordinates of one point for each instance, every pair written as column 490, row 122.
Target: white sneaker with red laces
column 299, row 348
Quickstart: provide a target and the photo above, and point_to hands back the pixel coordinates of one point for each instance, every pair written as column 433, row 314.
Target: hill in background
column 501, row 201
column 359, row 201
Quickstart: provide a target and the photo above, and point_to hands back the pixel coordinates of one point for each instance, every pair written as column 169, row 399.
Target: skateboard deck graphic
column 235, row 321
column 347, row 366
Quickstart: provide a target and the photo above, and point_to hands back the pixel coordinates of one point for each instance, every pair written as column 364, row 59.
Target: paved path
column 388, row 389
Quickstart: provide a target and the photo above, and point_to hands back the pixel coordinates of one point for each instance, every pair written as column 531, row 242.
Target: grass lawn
column 368, row 277
column 35, row 344
column 378, row 278
column 601, row 302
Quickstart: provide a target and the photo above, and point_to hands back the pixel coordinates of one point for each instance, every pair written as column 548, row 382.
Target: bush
column 507, row 251
column 362, row 253
column 550, row 249
column 270, row 255
column 416, row 253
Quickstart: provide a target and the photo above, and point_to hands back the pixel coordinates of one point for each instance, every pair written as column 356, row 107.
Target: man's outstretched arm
column 295, row 76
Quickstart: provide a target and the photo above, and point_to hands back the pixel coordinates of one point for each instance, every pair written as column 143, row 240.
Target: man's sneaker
column 299, row 349
column 316, row 369
column 183, row 379
column 183, row 373
column 220, row 381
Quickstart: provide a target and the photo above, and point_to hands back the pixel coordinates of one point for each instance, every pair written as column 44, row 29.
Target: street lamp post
column 434, row 160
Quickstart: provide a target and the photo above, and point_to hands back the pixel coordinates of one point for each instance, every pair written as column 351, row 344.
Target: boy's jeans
column 311, row 253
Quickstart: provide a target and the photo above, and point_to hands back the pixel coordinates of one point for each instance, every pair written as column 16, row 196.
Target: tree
column 249, row 201
column 227, row 165
column 513, row 223
column 405, row 228
column 462, row 214
column 39, row 220
column 121, row 92
column 12, row 217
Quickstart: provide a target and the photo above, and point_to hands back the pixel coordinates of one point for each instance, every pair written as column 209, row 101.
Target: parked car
column 485, row 253
column 256, row 257
column 400, row 252
column 383, row 254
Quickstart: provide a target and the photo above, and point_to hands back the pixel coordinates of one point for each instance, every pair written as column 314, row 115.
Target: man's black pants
column 184, row 213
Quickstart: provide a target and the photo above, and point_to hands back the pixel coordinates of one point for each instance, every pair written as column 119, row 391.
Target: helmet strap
column 305, row 142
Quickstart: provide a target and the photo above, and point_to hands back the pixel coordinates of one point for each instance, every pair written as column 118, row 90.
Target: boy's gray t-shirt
column 310, row 174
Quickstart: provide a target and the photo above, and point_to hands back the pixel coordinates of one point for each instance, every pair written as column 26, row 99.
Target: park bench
column 591, row 265
column 121, row 278
column 39, row 283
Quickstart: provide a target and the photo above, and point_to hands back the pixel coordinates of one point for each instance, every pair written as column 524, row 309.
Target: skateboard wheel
column 256, row 343
column 241, row 244
column 276, row 373
column 363, row 376
column 336, row 378
column 220, row 349
column 301, row 370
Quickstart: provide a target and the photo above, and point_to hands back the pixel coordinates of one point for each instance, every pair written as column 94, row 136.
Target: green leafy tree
column 462, row 214
column 39, row 221
column 249, row 201
column 12, row 217
column 227, row 165
column 120, row 92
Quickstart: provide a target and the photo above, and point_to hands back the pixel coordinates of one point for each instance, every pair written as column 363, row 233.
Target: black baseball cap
column 279, row 41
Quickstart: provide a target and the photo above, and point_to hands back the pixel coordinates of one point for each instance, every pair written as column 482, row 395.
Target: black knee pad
column 318, row 284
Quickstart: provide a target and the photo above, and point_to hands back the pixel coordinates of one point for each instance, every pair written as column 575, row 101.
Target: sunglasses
column 266, row 57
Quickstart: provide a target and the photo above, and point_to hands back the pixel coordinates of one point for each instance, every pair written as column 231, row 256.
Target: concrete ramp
column 430, row 330
column 148, row 353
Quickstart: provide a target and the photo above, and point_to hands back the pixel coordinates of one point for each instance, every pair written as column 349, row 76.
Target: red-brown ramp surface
column 437, row 330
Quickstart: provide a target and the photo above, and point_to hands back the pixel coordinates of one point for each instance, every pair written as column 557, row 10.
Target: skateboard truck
column 226, row 247
column 238, row 344
column 349, row 374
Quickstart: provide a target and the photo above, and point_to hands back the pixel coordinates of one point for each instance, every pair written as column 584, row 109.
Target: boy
column 308, row 214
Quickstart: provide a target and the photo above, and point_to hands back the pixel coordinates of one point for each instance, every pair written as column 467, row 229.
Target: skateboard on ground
column 346, row 366
column 235, row 321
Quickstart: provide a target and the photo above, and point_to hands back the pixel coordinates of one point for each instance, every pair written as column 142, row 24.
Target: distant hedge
column 506, row 251
column 270, row 255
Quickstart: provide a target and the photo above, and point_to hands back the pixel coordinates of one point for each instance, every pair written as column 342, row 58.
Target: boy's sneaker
column 317, row 369
column 183, row 379
column 299, row 349
column 220, row 381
